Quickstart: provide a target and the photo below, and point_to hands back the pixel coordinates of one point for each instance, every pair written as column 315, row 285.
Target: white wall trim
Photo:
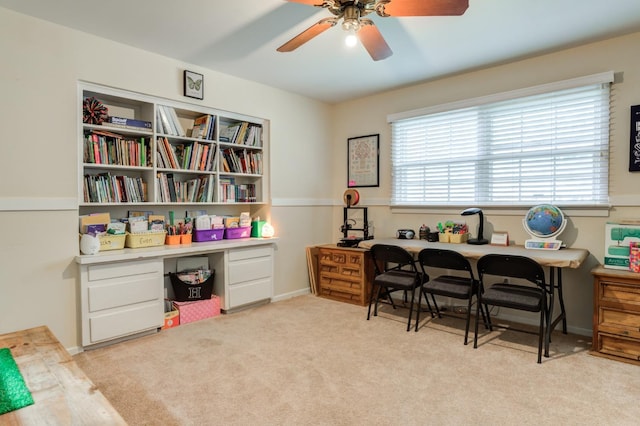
column 296, row 293
column 37, row 204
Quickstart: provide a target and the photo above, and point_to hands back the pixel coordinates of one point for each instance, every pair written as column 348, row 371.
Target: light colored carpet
column 312, row 361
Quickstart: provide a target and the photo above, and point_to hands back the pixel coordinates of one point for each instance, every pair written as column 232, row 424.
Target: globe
column 544, row 221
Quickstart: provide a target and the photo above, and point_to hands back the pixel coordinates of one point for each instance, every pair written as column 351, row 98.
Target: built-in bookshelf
column 153, row 151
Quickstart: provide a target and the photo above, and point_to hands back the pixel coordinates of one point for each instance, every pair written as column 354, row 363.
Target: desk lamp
column 480, row 240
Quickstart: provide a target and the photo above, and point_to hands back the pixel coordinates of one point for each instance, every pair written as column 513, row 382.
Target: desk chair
column 455, row 286
column 510, row 295
column 395, row 270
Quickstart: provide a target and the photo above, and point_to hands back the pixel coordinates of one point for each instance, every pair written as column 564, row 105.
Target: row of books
column 242, row 161
column 198, row 190
column 230, row 192
column 167, row 121
column 110, row 148
column 241, row 133
column 204, row 127
column 107, row 188
column 186, row 156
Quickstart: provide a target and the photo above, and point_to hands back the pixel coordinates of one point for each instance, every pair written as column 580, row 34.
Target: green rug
column 14, row 393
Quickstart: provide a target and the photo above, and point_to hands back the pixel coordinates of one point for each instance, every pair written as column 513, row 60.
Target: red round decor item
column 93, row 112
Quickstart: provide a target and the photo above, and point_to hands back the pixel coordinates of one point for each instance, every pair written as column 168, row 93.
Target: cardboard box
column 201, row 309
column 616, row 244
column 171, row 319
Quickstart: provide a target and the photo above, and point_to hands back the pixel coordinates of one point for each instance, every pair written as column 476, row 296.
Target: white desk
column 555, row 260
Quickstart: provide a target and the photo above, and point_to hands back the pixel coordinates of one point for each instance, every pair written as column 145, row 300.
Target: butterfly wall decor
column 193, row 84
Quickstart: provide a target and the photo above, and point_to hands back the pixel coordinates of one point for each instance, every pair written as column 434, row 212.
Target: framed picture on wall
column 193, row 84
column 634, row 135
column 363, row 161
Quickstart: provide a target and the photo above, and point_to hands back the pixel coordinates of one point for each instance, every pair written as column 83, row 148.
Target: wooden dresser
column 344, row 274
column 616, row 314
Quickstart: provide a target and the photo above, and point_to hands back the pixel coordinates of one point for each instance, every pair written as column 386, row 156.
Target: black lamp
column 480, row 240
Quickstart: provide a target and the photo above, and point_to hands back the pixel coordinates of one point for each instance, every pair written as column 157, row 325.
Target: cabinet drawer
column 248, row 253
column 624, row 323
column 619, row 346
column 619, row 292
column 338, row 284
column 251, row 292
column 125, row 291
column 341, row 258
column 125, row 322
column 250, row 269
column 125, row 269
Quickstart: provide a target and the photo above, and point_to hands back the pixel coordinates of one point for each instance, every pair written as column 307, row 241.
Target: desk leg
column 551, row 303
column 551, row 325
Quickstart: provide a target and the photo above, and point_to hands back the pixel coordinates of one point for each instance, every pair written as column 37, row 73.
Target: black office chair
column 395, row 270
column 463, row 287
column 510, row 295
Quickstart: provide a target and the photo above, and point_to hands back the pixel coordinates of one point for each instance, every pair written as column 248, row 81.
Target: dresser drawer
column 614, row 292
column 618, row 346
column 619, row 322
column 342, row 285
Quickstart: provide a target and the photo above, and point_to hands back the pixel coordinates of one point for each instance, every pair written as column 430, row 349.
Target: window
column 547, row 144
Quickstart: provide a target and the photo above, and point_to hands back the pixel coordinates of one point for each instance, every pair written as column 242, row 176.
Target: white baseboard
column 291, row 294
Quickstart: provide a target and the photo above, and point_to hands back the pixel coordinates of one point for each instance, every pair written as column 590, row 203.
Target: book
column 129, row 122
column 163, row 119
column 172, row 187
column 175, row 122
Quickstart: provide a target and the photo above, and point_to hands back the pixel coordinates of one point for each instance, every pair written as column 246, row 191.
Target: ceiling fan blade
column 372, row 40
column 423, row 8
column 311, row 32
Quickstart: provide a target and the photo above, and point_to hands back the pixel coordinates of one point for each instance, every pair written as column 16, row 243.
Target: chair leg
column 475, row 333
column 374, row 290
column 466, row 328
column 419, row 307
column 436, row 305
column 541, row 333
column 413, row 295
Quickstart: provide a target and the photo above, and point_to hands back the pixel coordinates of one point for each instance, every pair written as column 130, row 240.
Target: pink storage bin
column 201, row 235
column 201, row 309
column 231, row 233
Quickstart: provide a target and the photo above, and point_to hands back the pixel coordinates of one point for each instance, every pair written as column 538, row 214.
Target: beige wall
column 368, row 115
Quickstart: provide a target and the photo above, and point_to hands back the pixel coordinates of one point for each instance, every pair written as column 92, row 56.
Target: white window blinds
column 549, row 147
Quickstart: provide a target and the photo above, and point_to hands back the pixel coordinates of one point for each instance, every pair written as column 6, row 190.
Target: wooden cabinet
column 616, row 314
column 344, row 274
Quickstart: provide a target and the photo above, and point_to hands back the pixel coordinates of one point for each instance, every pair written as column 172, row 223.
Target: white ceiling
column 240, row 37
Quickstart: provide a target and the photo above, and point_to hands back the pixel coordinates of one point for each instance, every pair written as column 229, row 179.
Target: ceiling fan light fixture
column 351, row 40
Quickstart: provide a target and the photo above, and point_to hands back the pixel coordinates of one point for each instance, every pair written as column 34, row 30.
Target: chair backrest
column 446, row 259
column 385, row 254
column 506, row 265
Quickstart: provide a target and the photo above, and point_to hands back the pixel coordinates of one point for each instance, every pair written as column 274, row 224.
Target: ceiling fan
column 352, row 14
